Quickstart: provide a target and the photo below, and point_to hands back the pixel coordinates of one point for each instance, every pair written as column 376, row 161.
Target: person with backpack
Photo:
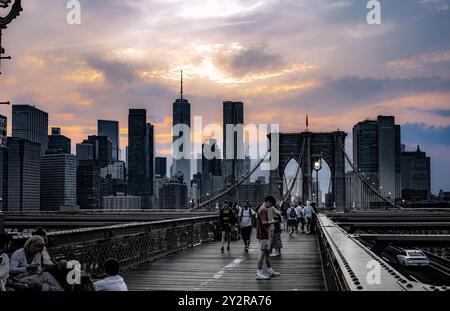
column 292, row 219
column 247, row 220
column 300, row 219
column 227, row 219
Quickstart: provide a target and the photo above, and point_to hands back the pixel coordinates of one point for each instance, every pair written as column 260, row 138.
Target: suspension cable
column 232, row 188
column 300, row 162
column 358, row 174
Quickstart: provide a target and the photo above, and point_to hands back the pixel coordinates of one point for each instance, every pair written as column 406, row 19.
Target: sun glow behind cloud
column 216, row 8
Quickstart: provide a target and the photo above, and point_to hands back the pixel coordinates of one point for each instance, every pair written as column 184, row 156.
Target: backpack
column 292, row 213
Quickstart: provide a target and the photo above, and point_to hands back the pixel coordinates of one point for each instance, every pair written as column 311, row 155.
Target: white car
column 412, row 257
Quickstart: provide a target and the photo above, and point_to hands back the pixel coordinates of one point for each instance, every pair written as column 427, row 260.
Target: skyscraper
column 376, row 153
column 416, row 180
column 3, row 131
column 182, row 115
column 23, row 175
column 3, row 161
column 56, row 141
column 30, row 123
column 173, row 195
column 85, row 151
column 58, row 180
column 233, row 146
column 160, row 166
column 389, row 156
column 140, row 156
column 111, row 130
column 102, row 147
column 89, row 185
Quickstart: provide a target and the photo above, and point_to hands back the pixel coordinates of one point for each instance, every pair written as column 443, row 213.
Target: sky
column 283, row 58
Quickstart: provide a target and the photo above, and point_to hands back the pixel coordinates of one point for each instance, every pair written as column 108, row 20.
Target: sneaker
column 272, row 273
column 222, row 249
column 274, row 255
column 260, row 276
column 246, row 250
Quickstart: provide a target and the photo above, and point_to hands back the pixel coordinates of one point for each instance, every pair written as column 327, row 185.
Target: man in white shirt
column 308, row 213
column 246, row 220
column 113, row 282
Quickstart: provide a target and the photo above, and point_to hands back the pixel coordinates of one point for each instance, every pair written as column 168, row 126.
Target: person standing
column 246, row 220
column 277, row 244
column 292, row 219
column 308, row 213
column 264, row 223
column 227, row 219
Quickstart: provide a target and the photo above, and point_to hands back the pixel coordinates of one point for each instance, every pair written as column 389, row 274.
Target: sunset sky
column 282, row 58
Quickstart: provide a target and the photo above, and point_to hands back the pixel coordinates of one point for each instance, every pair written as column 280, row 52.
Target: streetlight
column 317, row 168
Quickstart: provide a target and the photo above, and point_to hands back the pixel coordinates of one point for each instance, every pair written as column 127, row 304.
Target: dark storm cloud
column 251, row 60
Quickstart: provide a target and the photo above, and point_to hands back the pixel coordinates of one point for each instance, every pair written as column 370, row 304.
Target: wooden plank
column 206, row 268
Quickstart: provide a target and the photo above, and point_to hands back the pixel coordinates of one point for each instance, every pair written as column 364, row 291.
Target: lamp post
column 317, row 168
column 11, row 11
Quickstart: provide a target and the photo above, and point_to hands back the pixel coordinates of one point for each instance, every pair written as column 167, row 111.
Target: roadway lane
column 428, row 275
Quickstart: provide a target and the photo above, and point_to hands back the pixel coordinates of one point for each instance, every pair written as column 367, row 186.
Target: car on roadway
column 412, row 258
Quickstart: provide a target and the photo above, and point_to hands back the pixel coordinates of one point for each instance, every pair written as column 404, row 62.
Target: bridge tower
column 306, row 147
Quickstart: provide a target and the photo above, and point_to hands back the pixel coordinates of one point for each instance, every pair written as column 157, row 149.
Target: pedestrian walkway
column 205, row 268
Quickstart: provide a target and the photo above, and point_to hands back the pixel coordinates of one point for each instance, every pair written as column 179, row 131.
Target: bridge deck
column 205, row 268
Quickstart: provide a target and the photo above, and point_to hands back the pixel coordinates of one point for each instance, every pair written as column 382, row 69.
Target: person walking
column 227, row 219
column 300, row 218
column 292, row 219
column 246, row 220
column 263, row 235
column 308, row 213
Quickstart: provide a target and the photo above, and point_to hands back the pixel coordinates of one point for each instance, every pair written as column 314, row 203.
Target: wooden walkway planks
column 205, row 268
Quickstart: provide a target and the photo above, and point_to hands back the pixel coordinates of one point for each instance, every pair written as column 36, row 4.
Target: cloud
column 420, row 61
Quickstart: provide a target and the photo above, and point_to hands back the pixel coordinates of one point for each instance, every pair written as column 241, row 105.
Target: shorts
column 292, row 222
column 264, row 244
column 226, row 228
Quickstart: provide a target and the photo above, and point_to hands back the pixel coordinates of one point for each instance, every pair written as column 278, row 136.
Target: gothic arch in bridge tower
column 315, row 145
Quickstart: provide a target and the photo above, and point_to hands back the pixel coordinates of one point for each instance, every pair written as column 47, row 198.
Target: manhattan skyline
column 265, row 54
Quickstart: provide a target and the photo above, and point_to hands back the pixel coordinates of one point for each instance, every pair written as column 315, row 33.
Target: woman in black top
column 226, row 220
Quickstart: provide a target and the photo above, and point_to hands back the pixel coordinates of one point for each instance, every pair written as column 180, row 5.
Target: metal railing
column 131, row 244
column 347, row 263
